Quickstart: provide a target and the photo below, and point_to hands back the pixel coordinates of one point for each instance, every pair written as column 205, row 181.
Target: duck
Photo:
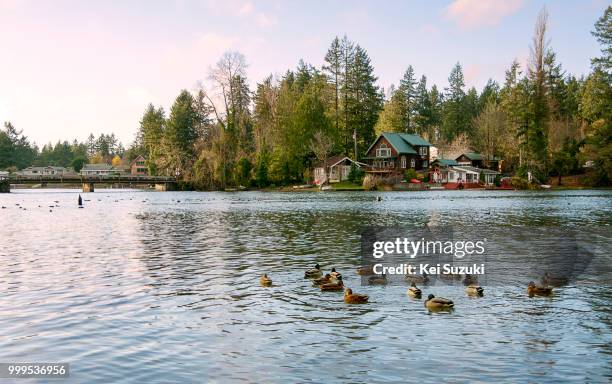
column 555, row 281
column 438, row 303
column 380, row 280
column 538, row 290
column 470, row 279
column 334, row 274
column 422, row 279
column 330, row 287
column 474, row 290
column 265, row 280
column 354, row 298
column 322, row 280
column 450, row 276
column 414, row 291
column 365, row 270
column 313, row 273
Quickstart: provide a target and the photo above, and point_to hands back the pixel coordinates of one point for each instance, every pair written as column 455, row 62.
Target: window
column 423, row 151
column 383, row 151
column 403, row 161
column 412, row 163
column 425, row 164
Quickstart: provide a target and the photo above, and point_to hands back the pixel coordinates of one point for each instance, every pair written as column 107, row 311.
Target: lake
column 163, row 287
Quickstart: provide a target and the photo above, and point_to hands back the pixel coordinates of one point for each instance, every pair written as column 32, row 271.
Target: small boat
column 327, row 188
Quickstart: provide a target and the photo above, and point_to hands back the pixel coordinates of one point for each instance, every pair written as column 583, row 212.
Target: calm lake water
column 139, row 287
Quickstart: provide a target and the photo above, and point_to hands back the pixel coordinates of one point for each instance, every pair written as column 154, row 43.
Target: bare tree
column 230, row 66
column 322, row 145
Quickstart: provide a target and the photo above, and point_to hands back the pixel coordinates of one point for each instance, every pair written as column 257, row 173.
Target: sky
column 68, row 68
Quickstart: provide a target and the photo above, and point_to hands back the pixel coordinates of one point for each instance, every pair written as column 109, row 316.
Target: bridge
column 161, row 183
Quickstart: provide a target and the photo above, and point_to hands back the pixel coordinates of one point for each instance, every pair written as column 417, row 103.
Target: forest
column 541, row 119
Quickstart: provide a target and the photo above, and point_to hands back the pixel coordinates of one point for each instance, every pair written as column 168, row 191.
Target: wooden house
column 338, row 168
column 394, row 152
column 478, row 160
column 138, row 166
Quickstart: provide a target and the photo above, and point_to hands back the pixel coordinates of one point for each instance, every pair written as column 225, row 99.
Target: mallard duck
column 414, row 291
column 322, row 280
column 438, row 303
column 470, row 279
column 366, row 270
column 313, row 273
column 538, row 290
column 337, row 286
column 450, row 276
column 334, row 274
column 380, row 280
column 422, row 279
column 354, row 298
column 265, row 280
column 474, row 290
column 555, row 281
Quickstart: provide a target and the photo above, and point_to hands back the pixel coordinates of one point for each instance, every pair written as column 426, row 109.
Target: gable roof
column 447, row 162
column 97, row 167
column 402, row 142
column 331, row 161
column 136, row 159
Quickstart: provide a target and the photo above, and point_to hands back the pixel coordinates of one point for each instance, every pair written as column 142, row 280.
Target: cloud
column 481, row 13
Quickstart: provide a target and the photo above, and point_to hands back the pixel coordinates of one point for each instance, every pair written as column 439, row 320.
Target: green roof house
column 394, row 152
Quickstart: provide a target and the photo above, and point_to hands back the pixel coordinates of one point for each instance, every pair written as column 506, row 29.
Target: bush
column 410, row 174
column 498, row 180
column 356, row 174
column 371, row 182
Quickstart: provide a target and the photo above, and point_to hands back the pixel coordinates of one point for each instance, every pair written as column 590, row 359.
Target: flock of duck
column 332, row 282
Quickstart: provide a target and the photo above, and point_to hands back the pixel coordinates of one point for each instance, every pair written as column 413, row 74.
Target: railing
column 16, row 179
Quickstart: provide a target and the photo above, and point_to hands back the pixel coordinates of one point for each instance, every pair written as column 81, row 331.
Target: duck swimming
column 414, row 291
column 474, row 290
column 330, row 287
column 438, row 303
column 538, row 290
column 470, row 279
column 354, row 298
column 322, row 280
column 380, row 280
column 422, row 279
column 265, row 280
column 366, row 270
column 313, row 273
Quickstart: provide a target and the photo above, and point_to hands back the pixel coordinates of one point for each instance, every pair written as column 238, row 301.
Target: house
column 138, row 167
column 101, row 169
column 478, row 160
column 43, row 171
column 395, row 152
column 438, row 171
column 338, row 168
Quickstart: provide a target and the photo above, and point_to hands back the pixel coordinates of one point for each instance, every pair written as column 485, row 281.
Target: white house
column 43, row 171
column 101, row 169
column 338, row 169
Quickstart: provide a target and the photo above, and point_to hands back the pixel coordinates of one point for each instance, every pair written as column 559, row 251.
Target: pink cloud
column 481, row 13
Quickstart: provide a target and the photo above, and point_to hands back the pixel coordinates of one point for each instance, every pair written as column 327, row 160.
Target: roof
column 331, row 161
column 447, row 162
column 402, row 142
column 136, row 159
column 97, row 167
column 475, row 156
column 476, row 169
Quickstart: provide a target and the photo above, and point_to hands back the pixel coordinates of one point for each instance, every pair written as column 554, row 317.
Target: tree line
column 541, row 119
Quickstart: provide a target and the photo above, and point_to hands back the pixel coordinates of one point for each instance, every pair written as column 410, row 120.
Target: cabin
column 338, row 169
column 138, row 167
column 101, row 169
column 394, row 153
column 478, row 160
column 438, row 171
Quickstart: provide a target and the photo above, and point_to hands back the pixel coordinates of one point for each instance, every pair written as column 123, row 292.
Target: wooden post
column 88, row 187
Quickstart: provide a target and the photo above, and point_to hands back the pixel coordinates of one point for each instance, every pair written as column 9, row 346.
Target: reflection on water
column 138, row 287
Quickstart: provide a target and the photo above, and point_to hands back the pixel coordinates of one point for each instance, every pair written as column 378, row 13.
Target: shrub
column 410, row 174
